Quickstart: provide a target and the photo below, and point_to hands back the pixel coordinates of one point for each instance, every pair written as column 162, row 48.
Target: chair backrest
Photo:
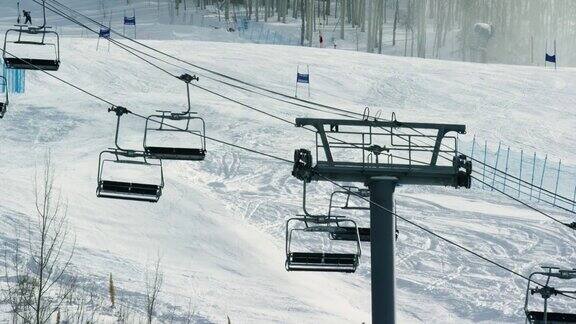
column 551, row 318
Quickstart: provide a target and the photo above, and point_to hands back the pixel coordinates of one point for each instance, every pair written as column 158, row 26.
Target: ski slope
column 219, row 225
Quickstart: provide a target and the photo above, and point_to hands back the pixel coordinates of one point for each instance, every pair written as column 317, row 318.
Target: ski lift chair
column 120, row 188
column 4, row 104
column 350, row 233
column 546, row 292
column 157, row 124
column 38, row 40
column 320, row 261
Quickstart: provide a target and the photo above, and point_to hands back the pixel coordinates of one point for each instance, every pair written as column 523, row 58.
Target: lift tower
column 383, row 155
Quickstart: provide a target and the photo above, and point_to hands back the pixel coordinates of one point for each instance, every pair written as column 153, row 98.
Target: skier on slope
column 28, row 17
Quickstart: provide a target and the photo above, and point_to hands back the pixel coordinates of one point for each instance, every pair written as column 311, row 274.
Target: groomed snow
column 219, row 225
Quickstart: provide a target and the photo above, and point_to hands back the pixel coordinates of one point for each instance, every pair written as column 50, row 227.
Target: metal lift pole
column 382, row 241
column 382, row 179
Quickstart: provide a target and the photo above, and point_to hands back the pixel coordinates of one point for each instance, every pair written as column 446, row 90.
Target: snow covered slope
column 220, row 224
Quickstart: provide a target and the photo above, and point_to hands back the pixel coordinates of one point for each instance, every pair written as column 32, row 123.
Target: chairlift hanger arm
column 43, row 14
column 306, row 213
column 350, row 192
column 119, row 111
column 319, row 123
column 187, row 78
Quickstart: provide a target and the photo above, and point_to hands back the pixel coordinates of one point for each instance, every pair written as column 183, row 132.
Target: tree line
column 511, row 31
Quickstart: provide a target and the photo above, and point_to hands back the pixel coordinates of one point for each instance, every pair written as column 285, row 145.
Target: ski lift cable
column 285, row 160
column 521, row 186
column 431, row 232
column 412, row 223
column 492, row 171
column 569, row 225
column 132, row 50
column 155, row 121
column 127, row 48
column 523, row 203
column 565, row 199
column 495, row 170
column 204, row 68
column 72, row 19
column 501, row 180
column 57, row 11
column 62, row 80
column 124, row 46
column 427, row 230
column 218, row 73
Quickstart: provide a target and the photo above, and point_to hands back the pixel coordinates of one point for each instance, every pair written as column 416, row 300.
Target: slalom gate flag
column 302, row 78
column 130, row 21
column 104, row 33
column 550, row 58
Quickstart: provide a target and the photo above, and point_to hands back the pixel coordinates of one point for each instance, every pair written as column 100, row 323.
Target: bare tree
column 342, row 17
column 396, row 16
column 19, row 292
column 154, row 280
column 303, row 26
column 190, row 312
column 40, row 279
column 111, row 291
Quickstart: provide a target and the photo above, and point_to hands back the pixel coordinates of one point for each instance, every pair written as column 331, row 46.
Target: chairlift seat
column 129, row 191
column 552, row 318
column 325, row 262
column 349, row 234
column 355, row 208
column 31, row 64
column 176, row 153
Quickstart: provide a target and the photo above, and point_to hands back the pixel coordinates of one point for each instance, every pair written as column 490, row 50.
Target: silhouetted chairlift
column 156, row 124
column 38, row 40
column 320, row 261
column 546, row 292
column 349, row 233
column 127, row 190
column 4, row 104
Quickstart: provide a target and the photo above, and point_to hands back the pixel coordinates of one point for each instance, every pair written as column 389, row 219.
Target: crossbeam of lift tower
column 383, row 155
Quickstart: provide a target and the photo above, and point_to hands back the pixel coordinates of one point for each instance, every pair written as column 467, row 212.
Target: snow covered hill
column 219, row 225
